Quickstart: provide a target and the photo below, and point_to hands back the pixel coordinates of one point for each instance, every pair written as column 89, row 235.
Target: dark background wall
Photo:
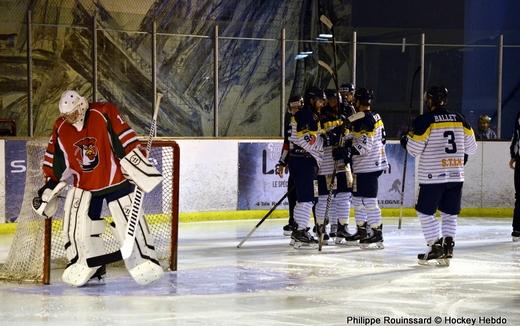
column 249, row 73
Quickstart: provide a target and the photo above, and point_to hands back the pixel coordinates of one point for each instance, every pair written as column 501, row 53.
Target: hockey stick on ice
column 137, row 199
column 265, row 217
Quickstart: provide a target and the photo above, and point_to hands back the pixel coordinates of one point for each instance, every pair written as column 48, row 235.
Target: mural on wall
column 249, row 70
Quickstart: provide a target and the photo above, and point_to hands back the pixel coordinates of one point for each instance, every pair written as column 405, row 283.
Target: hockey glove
column 334, row 136
column 46, row 203
column 342, row 153
column 404, row 140
column 339, row 153
column 280, row 168
column 50, row 184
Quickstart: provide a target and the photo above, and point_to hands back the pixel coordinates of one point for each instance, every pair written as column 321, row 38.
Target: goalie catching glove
column 46, row 203
column 137, row 168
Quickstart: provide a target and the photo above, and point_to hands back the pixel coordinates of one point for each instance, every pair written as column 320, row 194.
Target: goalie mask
column 72, row 108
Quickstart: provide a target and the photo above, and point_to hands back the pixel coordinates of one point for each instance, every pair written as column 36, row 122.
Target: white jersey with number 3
column 440, row 139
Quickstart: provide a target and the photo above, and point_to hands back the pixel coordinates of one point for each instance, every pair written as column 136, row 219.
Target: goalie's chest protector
column 89, row 153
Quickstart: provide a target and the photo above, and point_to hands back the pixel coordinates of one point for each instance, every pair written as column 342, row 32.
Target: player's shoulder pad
column 366, row 123
column 422, row 123
column 305, row 119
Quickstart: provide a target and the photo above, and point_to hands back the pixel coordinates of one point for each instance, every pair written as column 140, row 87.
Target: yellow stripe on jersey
column 371, row 134
column 447, row 125
column 332, row 124
column 469, row 131
column 304, row 132
column 440, row 125
column 423, row 137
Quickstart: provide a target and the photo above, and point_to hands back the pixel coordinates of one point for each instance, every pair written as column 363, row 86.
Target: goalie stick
column 265, row 217
column 137, row 199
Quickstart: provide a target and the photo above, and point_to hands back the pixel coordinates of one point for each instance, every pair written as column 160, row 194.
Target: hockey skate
column 303, row 240
column 447, row 245
column 342, row 234
column 436, row 251
column 333, row 231
column 516, row 236
column 288, row 229
column 374, row 240
column 326, row 237
column 99, row 275
column 361, row 233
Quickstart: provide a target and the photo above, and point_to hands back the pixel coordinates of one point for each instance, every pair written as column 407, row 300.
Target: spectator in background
column 514, row 150
column 484, row 132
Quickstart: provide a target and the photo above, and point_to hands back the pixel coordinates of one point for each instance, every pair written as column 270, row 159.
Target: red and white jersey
column 91, row 155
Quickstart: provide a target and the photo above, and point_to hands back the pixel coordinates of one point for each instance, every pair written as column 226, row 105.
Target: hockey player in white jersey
column 347, row 96
column 443, row 140
column 306, row 147
column 339, row 205
column 295, row 103
column 368, row 163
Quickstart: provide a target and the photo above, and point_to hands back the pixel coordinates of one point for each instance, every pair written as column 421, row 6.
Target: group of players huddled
column 334, row 149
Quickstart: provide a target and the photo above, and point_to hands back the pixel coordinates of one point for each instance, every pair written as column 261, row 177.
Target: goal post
column 38, row 246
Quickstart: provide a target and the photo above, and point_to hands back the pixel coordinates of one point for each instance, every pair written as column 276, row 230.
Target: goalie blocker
column 137, row 168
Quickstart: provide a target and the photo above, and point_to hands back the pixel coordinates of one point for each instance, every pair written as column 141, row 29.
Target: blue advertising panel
column 390, row 182
column 260, row 188
column 15, row 170
column 258, row 185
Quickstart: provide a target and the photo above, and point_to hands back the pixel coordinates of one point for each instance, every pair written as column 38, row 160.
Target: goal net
column 38, row 244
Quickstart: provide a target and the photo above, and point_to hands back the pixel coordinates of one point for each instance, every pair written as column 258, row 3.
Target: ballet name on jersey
column 445, row 117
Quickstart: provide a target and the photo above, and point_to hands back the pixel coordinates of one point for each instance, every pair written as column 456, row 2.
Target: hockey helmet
column 438, row 94
column 295, row 101
column 72, row 107
column 365, row 96
column 331, row 93
column 346, row 88
column 314, row 92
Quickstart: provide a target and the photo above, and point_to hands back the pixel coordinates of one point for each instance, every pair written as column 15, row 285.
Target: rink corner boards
column 390, row 213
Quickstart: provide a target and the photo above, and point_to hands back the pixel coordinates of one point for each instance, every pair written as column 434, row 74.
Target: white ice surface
column 266, row 282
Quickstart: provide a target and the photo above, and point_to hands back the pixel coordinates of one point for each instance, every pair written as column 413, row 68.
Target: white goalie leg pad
column 142, row 265
column 140, row 170
column 82, row 237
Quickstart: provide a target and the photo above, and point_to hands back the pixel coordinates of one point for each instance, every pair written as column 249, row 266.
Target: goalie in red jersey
column 90, row 143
